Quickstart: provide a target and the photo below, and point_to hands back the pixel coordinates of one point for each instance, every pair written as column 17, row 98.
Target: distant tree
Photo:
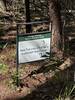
column 27, row 7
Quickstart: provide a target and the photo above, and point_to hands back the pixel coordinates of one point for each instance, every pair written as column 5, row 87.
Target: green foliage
column 3, row 69
column 2, row 45
column 15, row 79
column 66, row 92
column 1, row 29
column 1, row 32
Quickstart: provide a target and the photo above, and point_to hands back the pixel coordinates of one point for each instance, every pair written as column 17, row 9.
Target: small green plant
column 15, row 79
column 1, row 32
column 3, row 68
column 66, row 93
column 1, row 45
column 69, row 90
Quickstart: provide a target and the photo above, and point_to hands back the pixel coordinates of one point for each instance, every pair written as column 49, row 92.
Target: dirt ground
column 36, row 82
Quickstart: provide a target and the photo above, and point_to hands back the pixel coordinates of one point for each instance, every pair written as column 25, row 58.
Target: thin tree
column 27, row 7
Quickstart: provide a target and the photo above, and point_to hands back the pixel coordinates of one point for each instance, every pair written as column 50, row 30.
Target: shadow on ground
column 50, row 89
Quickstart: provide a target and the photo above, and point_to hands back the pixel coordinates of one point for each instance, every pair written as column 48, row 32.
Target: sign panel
column 33, row 47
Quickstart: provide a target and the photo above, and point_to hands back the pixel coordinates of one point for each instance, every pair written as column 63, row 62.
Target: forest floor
column 35, row 79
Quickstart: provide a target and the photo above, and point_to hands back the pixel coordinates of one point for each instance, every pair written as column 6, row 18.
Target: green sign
column 34, row 37
column 33, row 47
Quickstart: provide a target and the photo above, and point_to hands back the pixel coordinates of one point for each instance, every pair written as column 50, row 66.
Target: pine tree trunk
column 54, row 13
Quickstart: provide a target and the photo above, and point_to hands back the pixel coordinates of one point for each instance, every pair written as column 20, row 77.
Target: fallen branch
column 66, row 64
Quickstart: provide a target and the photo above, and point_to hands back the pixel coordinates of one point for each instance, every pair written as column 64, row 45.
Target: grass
column 3, row 69
column 66, row 93
column 2, row 45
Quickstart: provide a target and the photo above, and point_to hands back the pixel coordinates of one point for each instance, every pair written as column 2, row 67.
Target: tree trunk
column 54, row 13
column 28, row 27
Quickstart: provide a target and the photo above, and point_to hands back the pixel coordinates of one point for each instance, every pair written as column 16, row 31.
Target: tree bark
column 28, row 27
column 54, row 13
